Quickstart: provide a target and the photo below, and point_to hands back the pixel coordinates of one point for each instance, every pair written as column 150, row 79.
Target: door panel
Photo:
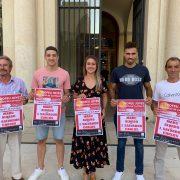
column 138, row 26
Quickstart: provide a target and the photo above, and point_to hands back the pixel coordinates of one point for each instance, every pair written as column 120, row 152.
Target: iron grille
column 79, row 33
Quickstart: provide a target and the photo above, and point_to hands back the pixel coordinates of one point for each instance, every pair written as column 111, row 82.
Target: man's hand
column 155, row 110
column 24, row 100
column 103, row 113
column 66, row 98
column 31, row 95
column 154, row 107
column 113, row 102
column 148, row 101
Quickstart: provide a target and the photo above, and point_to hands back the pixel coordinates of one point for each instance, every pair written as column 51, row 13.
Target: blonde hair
column 97, row 73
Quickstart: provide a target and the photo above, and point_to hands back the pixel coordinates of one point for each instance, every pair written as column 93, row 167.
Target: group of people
column 89, row 152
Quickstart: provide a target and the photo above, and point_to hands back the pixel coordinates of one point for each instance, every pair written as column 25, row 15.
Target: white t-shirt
column 167, row 91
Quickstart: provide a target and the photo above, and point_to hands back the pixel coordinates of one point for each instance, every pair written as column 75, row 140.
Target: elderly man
column 168, row 90
column 11, row 85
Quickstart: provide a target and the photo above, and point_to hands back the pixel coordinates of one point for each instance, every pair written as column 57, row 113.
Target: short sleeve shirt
column 14, row 86
column 167, row 91
column 45, row 79
column 130, row 81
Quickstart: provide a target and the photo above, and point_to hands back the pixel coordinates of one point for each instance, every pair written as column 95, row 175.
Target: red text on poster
column 47, row 106
column 131, row 119
column 11, row 113
column 88, row 116
column 167, row 126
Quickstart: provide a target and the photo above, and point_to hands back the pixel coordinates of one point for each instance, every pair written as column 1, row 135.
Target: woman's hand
column 81, row 96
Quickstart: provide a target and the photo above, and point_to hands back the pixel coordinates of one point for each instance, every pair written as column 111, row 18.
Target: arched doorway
column 109, row 44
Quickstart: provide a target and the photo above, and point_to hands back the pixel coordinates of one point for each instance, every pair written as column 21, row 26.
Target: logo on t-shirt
column 171, row 95
column 50, row 82
column 130, row 79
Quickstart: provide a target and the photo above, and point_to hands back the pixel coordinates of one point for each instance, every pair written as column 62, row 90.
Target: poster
column 88, row 116
column 131, row 120
column 11, row 113
column 167, row 126
column 47, row 107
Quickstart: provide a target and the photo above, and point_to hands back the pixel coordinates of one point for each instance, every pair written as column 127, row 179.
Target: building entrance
column 109, row 45
column 89, row 27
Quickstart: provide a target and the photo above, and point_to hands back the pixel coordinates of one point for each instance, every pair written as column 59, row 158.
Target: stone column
column 25, row 39
column 8, row 29
column 40, row 33
column 47, row 27
column 50, row 22
column 173, row 27
column 155, row 38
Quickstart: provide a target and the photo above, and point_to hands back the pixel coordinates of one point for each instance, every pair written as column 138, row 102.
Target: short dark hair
column 130, row 44
column 51, row 48
column 7, row 59
column 172, row 59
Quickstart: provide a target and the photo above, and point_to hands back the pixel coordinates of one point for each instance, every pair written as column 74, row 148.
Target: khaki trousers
column 14, row 142
column 160, row 153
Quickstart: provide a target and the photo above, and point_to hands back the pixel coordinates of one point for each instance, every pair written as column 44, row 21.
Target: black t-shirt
column 130, row 81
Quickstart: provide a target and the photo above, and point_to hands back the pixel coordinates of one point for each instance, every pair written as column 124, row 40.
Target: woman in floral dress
column 90, row 152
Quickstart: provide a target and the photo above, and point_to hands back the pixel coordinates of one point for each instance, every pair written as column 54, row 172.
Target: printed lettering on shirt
column 130, row 79
column 171, row 94
column 50, row 82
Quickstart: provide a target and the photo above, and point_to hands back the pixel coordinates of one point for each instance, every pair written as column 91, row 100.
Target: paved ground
column 29, row 154
column 29, row 163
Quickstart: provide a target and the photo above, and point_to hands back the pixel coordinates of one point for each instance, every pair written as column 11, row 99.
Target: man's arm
column 104, row 104
column 66, row 96
column 149, row 93
column 112, row 91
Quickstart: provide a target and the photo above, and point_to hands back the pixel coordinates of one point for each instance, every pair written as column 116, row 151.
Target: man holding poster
column 166, row 90
column 11, row 86
column 50, row 77
column 128, row 81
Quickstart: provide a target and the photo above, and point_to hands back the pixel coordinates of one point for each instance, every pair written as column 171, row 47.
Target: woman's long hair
column 97, row 73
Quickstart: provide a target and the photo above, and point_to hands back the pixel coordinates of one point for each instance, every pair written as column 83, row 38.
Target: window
column 79, row 33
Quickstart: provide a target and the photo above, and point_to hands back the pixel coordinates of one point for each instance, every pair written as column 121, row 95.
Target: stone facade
column 30, row 26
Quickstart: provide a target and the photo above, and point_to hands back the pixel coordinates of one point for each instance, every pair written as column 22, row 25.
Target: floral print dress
column 89, row 152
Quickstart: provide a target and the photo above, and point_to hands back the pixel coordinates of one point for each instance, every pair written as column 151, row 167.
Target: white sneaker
column 118, row 176
column 63, row 174
column 140, row 177
column 36, row 174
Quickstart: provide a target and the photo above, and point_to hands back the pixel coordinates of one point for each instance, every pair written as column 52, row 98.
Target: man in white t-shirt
column 168, row 90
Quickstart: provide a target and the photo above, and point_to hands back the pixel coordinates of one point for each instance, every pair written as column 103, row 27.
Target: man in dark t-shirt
column 128, row 81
